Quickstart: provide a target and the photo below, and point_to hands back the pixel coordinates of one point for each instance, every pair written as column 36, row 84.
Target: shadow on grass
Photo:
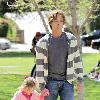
column 16, row 54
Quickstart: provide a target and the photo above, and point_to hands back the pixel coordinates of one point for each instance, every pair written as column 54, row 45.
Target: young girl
column 27, row 91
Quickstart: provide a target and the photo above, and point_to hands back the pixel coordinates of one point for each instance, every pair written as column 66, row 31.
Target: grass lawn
column 13, row 67
column 90, row 61
column 16, row 63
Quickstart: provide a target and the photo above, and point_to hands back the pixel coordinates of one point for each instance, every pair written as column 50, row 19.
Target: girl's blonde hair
column 28, row 83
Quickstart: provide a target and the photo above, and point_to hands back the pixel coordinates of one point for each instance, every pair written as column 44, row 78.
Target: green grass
column 90, row 61
column 92, row 90
column 14, row 65
column 8, row 85
column 17, row 63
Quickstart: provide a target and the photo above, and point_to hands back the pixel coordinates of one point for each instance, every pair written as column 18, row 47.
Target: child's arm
column 43, row 94
column 39, row 96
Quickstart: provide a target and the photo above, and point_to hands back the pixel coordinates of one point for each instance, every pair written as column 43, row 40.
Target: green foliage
column 83, row 8
column 95, row 23
column 4, row 7
column 17, row 6
column 23, row 6
column 52, row 4
column 3, row 28
column 7, row 28
column 12, row 29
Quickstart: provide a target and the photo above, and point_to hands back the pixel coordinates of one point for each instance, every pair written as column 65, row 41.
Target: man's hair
column 53, row 15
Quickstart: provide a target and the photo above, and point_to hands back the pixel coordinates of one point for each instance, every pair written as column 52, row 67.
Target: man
column 58, row 61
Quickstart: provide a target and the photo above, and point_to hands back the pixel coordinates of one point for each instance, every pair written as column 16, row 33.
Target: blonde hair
column 53, row 15
column 29, row 82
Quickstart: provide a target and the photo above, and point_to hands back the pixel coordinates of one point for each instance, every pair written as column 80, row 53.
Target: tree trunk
column 41, row 16
column 76, row 31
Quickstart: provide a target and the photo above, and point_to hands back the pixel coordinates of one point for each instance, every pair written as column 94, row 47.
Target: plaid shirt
column 74, row 62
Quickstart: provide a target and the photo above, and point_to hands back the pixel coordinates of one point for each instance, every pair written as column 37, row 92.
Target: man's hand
column 45, row 92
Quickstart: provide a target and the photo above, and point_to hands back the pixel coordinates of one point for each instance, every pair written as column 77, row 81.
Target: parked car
column 96, row 44
column 87, row 39
column 4, row 44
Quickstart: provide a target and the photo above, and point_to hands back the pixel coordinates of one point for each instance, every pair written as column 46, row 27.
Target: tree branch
column 41, row 16
column 89, row 13
column 72, row 7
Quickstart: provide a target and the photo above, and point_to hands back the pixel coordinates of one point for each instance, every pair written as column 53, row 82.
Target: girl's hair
column 29, row 82
column 53, row 16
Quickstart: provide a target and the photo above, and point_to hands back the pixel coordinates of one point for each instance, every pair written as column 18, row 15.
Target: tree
column 17, row 6
column 75, row 28
column 43, row 20
column 95, row 22
column 4, row 7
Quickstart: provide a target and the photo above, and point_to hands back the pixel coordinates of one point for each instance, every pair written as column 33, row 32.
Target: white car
column 4, row 43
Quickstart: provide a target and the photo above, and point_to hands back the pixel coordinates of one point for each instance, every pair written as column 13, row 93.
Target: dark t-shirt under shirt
column 57, row 57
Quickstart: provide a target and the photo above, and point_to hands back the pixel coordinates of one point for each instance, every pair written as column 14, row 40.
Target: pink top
column 19, row 95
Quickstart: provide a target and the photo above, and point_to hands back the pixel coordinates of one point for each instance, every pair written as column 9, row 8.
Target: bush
column 3, row 28
column 12, row 29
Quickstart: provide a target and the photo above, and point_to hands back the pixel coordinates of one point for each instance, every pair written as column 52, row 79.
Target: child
column 27, row 92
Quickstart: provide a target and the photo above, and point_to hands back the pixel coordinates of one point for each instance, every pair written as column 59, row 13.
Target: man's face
column 57, row 23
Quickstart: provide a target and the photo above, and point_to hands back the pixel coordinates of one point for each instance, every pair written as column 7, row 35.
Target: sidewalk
column 89, row 50
column 19, row 47
column 27, row 47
